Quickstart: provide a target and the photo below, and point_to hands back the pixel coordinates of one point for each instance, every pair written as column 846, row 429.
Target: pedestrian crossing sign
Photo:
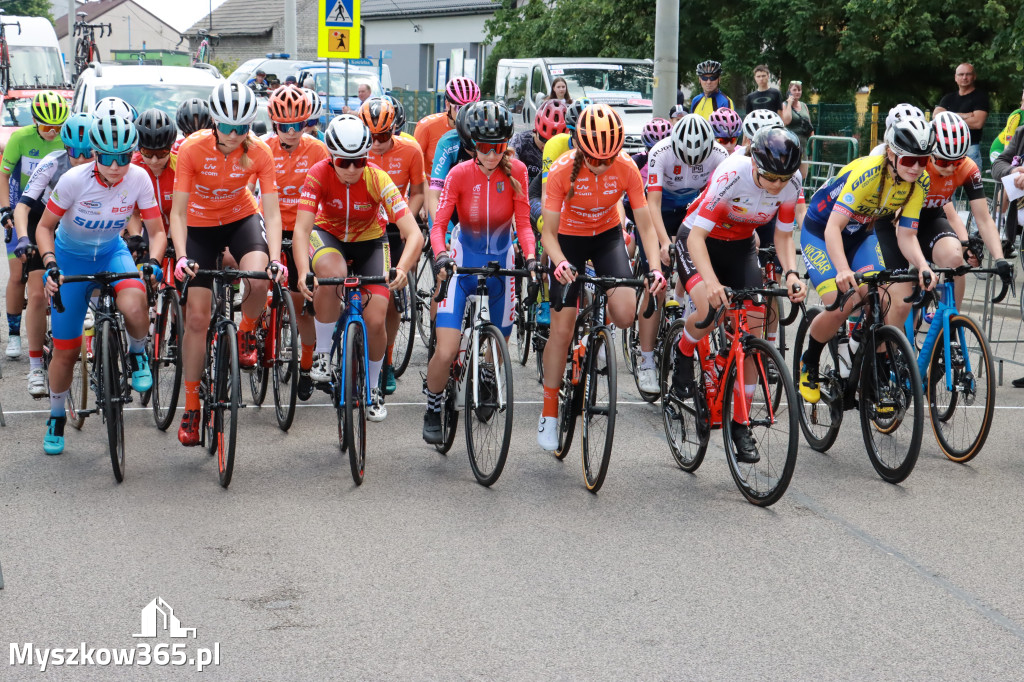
column 338, row 12
column 339, row 35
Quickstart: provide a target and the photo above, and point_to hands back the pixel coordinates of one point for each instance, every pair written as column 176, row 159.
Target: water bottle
column 845, row 356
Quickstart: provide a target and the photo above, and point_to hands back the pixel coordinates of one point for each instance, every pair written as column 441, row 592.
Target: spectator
column 363, row 93
column 290, row 80
column 676, row 113
column 764, row 97
column 972, row 106
column 1013, row 121
column 797, row 118
column 309, row 83
column 681, row 96
column 560, row 91
column 259, row 81
column 1011, row 161
column 711, row 99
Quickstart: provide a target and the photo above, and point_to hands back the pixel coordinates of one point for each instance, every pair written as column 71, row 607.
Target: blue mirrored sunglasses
column 122, row 159
column 312, row 123
column 291, row 127
column 76, row 153
column 227, row 128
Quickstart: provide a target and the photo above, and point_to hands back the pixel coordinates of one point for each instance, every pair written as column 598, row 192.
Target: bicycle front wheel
column 355, row 399
column 259, row 376
column 227, row 396
column 286, row 362
column 112, row 394
column 686, row 421
column 961, row 416
column 599, row 394
column 406, row 337
column 165, row 359
column 449, row 418
column 424, row 292
column 526, row 312
column 78, row 396
column 489, row 406
column 819, row 421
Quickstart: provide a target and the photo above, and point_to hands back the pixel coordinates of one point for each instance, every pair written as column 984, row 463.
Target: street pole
column 291, row 39
column 666, row 56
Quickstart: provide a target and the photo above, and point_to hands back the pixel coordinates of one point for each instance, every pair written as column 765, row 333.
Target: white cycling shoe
column 547, row 433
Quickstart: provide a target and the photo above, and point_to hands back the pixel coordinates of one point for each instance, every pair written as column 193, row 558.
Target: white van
column 36, row 61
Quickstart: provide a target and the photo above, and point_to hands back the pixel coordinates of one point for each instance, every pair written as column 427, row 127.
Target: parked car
column 276, row 69
column 144, row 87
column 336, row 101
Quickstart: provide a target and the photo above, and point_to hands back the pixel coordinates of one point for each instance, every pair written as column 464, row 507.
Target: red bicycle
column 277, row 343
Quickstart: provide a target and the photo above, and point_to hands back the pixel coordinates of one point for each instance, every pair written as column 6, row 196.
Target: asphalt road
column 421, row 573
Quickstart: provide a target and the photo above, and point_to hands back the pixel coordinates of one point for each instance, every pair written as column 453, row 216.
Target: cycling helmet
column 726, row 122
column 49, row 108
column 709, row 67
column 348, row 137
column 462, row 127
column 192, row 115
column 462, row 91
column 113, row 135
column 378, row 115
column 289, row 104
column 572, row 114
column 488, row 121
column 911, row 137
column 233, row 103
column 75, row 131
column 760, row 118
column 114, row 106
column 316, row 103
column 550, row 120
column 677, row 110
column 654, row 130
column 776, row 150
column 692, row 139
column 399, row 112
column 952, row 136
column 902, row 112
column 156, row 130
column 599, row 132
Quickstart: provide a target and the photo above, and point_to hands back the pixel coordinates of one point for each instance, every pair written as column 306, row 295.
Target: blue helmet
column 113, row 135
column 75, row 131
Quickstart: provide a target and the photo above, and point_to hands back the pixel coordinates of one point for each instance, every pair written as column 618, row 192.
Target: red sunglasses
column 349, row 163
column 911, row 161
column 489, row 147
column 946, row 163
column 727, row 140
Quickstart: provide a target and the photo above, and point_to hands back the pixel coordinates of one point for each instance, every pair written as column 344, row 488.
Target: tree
column 28, row 8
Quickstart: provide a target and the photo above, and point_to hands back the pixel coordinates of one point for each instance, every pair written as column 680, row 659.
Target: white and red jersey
column 678, row 182
column 733, row 206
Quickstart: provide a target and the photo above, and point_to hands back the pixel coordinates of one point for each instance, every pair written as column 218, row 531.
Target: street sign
column 360, row 62
column 338, row 35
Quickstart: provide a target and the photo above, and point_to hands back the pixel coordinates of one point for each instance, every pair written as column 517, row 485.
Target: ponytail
column 246, row 162
column 506, row 165
column 576, row 165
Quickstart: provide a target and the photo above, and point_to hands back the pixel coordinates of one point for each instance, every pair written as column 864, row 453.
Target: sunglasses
column 122, row 159
column 491, row 147
column 155, row 153
column 946, row 163
column 709, row 77
column 227, row 128
column 911, row 161
column 291, row 127
column 76, row 153
column 773, row 177
column 349, row 163
column 43, row 128
column 599, row 163
column 727, row 140
column 382, row 137
column 312, row 123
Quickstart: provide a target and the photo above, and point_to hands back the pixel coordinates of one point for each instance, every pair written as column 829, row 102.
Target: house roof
column 406, row 8
column 93, row 11
column 244, row 18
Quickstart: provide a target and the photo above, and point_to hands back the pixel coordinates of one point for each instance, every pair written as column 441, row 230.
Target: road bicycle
column 631, row 353
column 86, row 50
column 882, row 382
column 5, row 53
column 277, row 351
column 205, row 49
column 720, row 366
column 167, row 328
column 779, row 308
column 424, row 289
column 480, row 381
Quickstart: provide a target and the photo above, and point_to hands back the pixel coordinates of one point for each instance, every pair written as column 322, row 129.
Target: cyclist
column 754, row 121
column 213, row 208
column 75, row 136
column 316, row 104
column 25, row 149
column 453, row 148
column 400, row 119
column 402, row 160
column 728, row 127
column 192, row 115
column 157, row 134
column 836, row 236
column 490, row 192
column 93, row 202
column 458, row 93
column 343, row 213
column 114, row 106
column 678, row 169
column 529, row 144
column 900, row 112
column 582, row 222
column 655, row 130
column 294, row 154
column 711, row 99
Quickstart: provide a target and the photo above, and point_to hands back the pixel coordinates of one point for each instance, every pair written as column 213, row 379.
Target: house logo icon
column 158, row 615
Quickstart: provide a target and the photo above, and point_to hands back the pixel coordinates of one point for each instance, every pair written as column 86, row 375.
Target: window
column 539, row 86
column 515, row 88
column 428, row 60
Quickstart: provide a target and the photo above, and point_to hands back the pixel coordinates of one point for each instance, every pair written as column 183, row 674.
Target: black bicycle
column 86, row 50
column 5, row 53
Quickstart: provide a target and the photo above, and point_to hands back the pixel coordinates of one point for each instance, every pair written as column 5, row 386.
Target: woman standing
column 797, row 118
column 560, row 91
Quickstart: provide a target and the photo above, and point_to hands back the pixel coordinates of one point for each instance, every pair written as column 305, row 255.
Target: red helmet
column 550, row 119
column 288, row 104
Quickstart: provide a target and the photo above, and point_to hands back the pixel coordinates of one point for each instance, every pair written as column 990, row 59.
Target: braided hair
column 577, row 164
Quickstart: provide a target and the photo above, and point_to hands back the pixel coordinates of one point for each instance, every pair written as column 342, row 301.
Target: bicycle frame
column 736, row 318
column 353, row 312
column 945, row 310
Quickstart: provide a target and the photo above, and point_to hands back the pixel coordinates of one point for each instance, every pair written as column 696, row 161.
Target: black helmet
column 776, row 150
column 709, row 68
column 156, row 130
column 462, row 126
column 192, row 115
column 572, row 114
column 490, row 122
column 399, row 112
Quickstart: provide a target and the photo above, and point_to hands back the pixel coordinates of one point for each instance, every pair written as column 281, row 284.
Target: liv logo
column 158, row 616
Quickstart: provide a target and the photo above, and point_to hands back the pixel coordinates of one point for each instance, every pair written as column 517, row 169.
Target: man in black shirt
column 764, row 97
column 971, row 104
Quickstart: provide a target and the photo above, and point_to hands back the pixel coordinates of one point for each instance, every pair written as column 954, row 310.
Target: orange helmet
column 599, row 132
column 288, row 104
column 378, row 114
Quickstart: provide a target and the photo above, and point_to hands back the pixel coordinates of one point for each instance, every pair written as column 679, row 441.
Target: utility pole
column 666, row 56
column 291, row 38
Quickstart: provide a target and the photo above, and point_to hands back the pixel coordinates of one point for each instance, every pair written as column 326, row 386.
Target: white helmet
column 911, row 137
column 348, row 137
column 692, row 139
column 952, row 136
column 114, row 106
column 760, row 118
column 317, row 103
column 233, row 103
column 902, row 112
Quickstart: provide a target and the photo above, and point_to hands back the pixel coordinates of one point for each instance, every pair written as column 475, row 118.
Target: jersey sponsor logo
column 849, row 199
column 210, row 166
column 33, row 153
column 816, row 258
column 99, row 224
column 288, row 190
column 652, row 179
column 90, row 204
column 865, row 176
column 677, row 170
column 500, row 186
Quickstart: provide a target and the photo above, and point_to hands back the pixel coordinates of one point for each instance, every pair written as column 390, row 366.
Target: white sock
column 324, row 336
column 375, row 366
column 773, row 337
column 647, row 358
column 57, row 403
column 136, row 345
column 35, row 363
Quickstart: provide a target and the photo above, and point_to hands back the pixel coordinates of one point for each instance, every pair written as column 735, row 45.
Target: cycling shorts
column 67, row 326
column 34, row 262
column 932, row 227
column 288, row 257
column 673, row 220
column 606, row 250
column 395, row 243
column 369, row 258
column 205, row 244
column 501, row 290
column 861, row 249
column 734, row 262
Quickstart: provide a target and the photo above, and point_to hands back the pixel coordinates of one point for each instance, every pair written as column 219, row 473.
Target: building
column 131, row 27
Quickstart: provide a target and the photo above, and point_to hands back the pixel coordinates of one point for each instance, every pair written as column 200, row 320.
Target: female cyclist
column 490, row 193
column 581, row 223
column 213, row 208
column 728, row 127
column 341, row 218
column 316, row 111
column 458, row 93
column 192, row 115
column 755, row 120
column 157, row 134
column 529, row 144
column 93, row 203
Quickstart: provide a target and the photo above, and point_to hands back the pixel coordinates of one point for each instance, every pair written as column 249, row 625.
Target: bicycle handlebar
column 736, row 297
column 350, row 282
column 492, row 269
column 605, row 283
column 103, row 278
column 950, row 273
column 876, row 279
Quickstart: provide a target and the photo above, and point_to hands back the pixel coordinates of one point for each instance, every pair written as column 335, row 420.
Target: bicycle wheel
column 631, row 343
column 773, row 425
column 449, row 418
column 598, row 413
column 112, row 394
column 960, row 426
column 259, row 376
column 489, row 413
column 686, row 421
column 355, row 400
column 540, row 341
column 424, row 291
column 819, row 422
column 338, row 392
column 891, row 398
column 286, row 364
column 406, row 337
column 78, row 396
column 227, row 395
column 526, row 314
column 165, row 359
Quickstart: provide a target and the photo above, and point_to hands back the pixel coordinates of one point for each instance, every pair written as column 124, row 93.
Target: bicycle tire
column 425, row 285
column 78, row 396
column 338, row 392
column 943, row 404
column 820, row 423
column 355, row 400
column 903, row 393
column 569, row 402
column 285, row 372
column 540, row 342
column 765, row 482
column 488, row 463
column 227, row 383
column 526, row 313
column 449, row 418
column 112, row 393
column 166, row 346
column 685, row 425
column 598, row 432
column 406, row 337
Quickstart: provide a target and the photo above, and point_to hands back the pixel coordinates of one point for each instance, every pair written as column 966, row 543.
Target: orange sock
column 247, row 324
column 391, row 350
column 192, row 395
column 550, row 402
column 306, row 359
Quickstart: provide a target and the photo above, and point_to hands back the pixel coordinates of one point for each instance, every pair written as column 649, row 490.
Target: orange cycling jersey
column 291, row 167
column 352, row 213
column 403, row 162
column 217, row 184
column 593, row 207
column 965, row 174
column 428, row 132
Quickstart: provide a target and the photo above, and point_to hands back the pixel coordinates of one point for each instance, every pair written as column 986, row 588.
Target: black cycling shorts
column 932, row 227
column 35, row 212
column 370, row 258
column 607, row 251
column 205, row 244
column 734, row 262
